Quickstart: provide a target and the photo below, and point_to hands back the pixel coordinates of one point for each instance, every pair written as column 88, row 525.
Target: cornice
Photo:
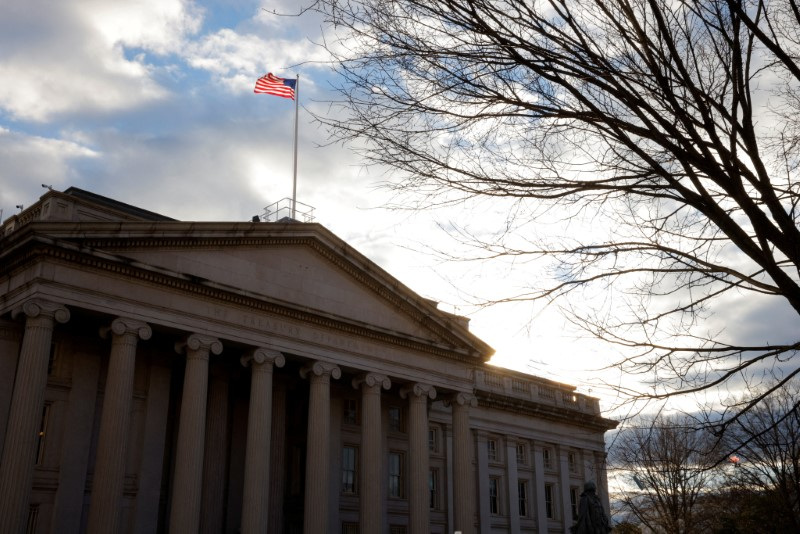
column 102, row 261
column 543, row 411
column 364, row 277
column 110, row 238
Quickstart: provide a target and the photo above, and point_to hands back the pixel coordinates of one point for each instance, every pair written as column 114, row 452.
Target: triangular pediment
column 293, row 274
column 302, row 267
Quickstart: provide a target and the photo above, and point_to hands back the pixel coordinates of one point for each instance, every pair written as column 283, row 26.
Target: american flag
column 272, row 85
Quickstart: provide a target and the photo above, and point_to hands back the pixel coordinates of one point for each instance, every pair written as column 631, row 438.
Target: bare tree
column 675, row 123
column 671, row 463
column 766, row 441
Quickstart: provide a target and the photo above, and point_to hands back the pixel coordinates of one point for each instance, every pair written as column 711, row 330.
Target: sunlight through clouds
column 151, row 103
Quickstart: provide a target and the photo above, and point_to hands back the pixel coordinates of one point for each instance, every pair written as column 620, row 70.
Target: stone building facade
column 168, row 376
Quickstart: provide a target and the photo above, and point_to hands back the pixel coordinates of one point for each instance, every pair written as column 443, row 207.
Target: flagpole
column 294, row 166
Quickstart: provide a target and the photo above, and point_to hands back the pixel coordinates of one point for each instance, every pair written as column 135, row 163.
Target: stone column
column 188, row 478
column 484, row 519
column 419, row 464
column 601, row 479
column 450, row 484
column 370, row 499
column 563, row 478
column 589, row 471
column 112, row 441
column 318, row 445
column 255, row 502
column 27, row 403
column 463, row 479
column 538, row 477
column 513, row 485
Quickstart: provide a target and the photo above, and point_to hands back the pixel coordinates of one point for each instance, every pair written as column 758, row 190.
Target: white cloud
column 228, row 168
column 41, row 91
column 236, row 58
column 69, row 57
column 29, row 161
column 160, row 26
column 77, row 69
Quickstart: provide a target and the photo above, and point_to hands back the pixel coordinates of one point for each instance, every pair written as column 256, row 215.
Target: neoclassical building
column 167, row 376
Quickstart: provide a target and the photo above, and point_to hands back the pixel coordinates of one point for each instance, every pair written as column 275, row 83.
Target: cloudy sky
column 151, row 102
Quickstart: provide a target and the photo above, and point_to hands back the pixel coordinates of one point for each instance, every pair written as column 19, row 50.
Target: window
column 349, row 528
column 433, row 483
column 491, row 446
column 572, row 462
column 574, row 497
column 433, row 441
column 395, row 419
column 396, row 467
column 350, row 416
column 494, row 498
column 546, row 458
column 522, row 492
column 40, row 438
column 349, row 458
column 522, row 454
column 549, row 503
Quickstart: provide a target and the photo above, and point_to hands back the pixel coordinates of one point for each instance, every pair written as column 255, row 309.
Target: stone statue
column 591, row 516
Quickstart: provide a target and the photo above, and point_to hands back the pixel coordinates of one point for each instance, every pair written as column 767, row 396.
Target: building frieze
column 532, row 408
column 254, row 311
column 103, row 239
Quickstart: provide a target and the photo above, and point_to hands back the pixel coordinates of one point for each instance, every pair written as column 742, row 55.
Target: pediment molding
column 107, row 255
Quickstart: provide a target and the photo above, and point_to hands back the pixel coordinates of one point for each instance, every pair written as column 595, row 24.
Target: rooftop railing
column 535, row 390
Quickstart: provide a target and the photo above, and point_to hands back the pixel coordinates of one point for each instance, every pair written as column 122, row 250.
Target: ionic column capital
column 371, row 380
column 321, row 369
column 262, row 355
column 418, row 389
column 198, row 345
column 123, row 325
column 42, row 308
column 467, row 400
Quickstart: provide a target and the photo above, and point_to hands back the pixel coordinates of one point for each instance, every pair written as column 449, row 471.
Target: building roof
column 251, row 263
column 116, row 205
column 296, row 283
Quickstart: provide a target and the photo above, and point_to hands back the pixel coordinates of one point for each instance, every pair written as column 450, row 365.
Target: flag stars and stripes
column 272, row 85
